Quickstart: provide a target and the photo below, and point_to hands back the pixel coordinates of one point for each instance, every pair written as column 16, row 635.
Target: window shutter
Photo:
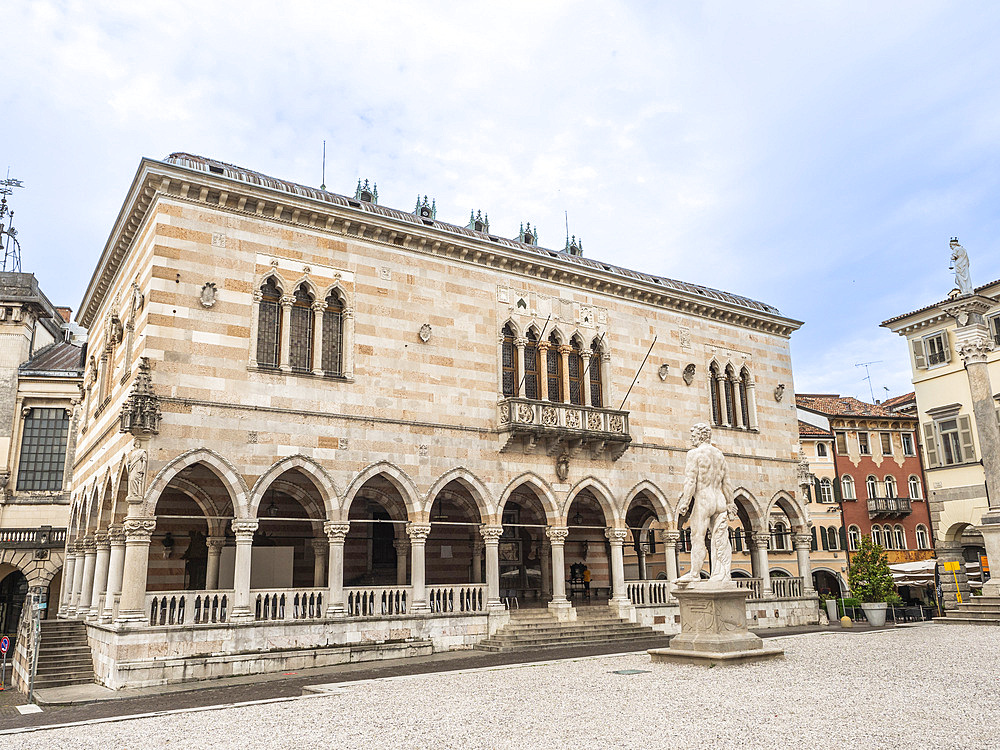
column 822, row 537
column 930, row 444
column 817, row 490
column 919, row 359
column 812, row 544
column 946, row 346
column 965, row 435
column 843, row 538
column 838, row 495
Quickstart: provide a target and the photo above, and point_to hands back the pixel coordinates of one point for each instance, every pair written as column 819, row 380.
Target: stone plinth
column 713, row 627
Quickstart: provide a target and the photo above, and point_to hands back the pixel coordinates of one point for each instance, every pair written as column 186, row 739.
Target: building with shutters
column 319, row 429
column 954, row 349
column 877, row 476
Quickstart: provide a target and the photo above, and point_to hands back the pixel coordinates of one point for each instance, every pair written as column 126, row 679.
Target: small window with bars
column 269, row 325
column 333, row 336
column 43, row 450
column 510, row 376
column 300, row 348
column 596, row 388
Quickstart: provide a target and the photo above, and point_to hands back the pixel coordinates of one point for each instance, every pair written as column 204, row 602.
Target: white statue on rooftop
column 960, row 264
column 708, row 493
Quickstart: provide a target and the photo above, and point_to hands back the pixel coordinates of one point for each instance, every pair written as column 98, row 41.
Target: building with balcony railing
column 331, row 423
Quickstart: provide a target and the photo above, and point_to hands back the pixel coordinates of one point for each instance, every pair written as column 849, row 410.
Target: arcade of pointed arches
column 201, row 538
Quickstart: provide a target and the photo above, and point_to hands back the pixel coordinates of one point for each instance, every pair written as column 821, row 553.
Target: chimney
column 65, row 313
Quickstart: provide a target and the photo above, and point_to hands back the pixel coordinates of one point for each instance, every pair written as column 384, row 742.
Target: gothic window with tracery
column 575, row 374
column 596, row 386
column 553, row 369
column 269, row 325
column 713, row 386
column 510, row 377
column 301, row 331
column 333, row 336
column 531, row 366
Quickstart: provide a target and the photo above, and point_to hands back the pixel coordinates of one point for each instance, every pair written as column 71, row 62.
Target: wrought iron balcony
column 563, row 428
column 888, row 506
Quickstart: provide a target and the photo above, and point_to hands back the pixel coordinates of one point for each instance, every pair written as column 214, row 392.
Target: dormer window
column 366, row 193
column 478, row 222
column 528, row 235
column 574, row 246
column 426, row 210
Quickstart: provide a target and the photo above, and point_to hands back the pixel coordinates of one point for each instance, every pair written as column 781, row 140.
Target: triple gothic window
column 730, row 395
column 544, row 374
column 303, row 319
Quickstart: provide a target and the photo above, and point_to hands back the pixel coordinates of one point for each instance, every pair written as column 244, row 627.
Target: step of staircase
column 64, row 657
column 537, row 629
column 975, row 610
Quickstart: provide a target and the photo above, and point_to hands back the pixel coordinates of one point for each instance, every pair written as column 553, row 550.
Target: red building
column 880, row 479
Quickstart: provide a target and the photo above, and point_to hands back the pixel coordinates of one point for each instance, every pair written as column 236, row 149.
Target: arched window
column 854, row 537
column 914, row 485
column 821, row 450
column 333, row 336
column 847, row 487
column 900, row 537
column 890, row 486
column 510, row 376
column 871, row 485
column 553, row 369
column 596, row 386
column 831, row 534
column 744, row 386
column 825, row 490
column 575, row 374
column 778, row 534
column 300, row 348
column 713, row 387
column 736, row 539
column 269, row 325
column 923, row 541
column 531, row 365
column 728, row 383
column 877, row 535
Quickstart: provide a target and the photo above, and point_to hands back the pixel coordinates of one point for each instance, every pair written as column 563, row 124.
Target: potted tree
column 871, row 581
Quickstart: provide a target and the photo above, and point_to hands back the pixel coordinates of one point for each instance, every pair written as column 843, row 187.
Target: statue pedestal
column 713, row 627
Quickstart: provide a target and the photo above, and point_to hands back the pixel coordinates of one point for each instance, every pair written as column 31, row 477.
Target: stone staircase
column 64, row 657
column 974, row 610
column 538, row 628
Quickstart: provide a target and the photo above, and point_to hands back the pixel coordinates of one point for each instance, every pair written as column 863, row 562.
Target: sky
column 816, row 156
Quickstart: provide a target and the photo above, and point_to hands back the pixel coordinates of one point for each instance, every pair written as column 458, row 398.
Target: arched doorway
column 13, row 591
column 826, row 583
column 587, row 550
column 524, row 551
column 454, row 545
column 289, row 546
column 644, row 555
column 376, row 547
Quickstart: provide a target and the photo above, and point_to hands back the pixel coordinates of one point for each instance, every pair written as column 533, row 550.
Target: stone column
column 723, row 410
column 803, row 544
column 520, row 343
column 491, row 539
column 116, row 569
column 585, row 360
column 320, row 549
column 101, row 564
column 564, row 351
column 761, row 541
column 347, row 348
column 317, row 364
column 215, row 546
column 138, row 532
column 255, row 325
column 557, row 539
column 477, row 561
column 287, row 302
column 89, row 563
column 500, row 394
column 74, row 602
column 402, row 552
column 737, row 404
column 336, row 533
column 545, row 557
column 670, row 539
column 69, row 570
column 418, row 533
column 752, row 405
column 617, row 538
column 543, row 370
column 244, row 529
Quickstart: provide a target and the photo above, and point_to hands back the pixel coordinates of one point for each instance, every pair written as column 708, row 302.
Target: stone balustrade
column 560, row 427
column 187, row 607
column 287, row 604
column 648, row 592
column 377, row 601
column 462, row 598
column 781, row 587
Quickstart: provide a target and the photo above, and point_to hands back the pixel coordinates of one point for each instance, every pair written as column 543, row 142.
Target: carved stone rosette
column 139, row 529
column 616, row 535
column 336, row 532
column 418, row 531
column 491, row 534
column 557, row 534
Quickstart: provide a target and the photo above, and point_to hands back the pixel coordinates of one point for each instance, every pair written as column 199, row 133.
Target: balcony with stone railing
column 892, row 507
column 39, row 537
column 558, row 428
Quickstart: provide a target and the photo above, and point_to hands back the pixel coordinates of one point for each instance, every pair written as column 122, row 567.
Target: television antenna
column 868, row 375
column 8, row 235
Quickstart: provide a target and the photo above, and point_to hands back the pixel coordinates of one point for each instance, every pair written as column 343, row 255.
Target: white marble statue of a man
column 708, row 493
column 960, row 264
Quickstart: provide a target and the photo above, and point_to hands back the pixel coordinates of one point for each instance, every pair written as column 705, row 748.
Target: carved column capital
column 244, row 528
column 319, row 305
column 321, row 547
column 258, row 295
column 557, row 534
column 565, row 349
column 139, row 529
column 336, row 532
column 116, row 534
column 402, row 546
column 287, row 300
column 89, row 544
column 215, row 543
column 670, row 536
column 975, row 351
column 761, row 539
column 520, row 342
column 418, row 531
column 616, row 536
column 802, row 541
column 491, row 534
column 101, row 540
column 347, row 312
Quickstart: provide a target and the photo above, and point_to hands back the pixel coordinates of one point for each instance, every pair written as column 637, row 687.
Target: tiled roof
column 58, row 357
column 256, row 178
column 977, row 290
column 833, row 405
column 811, row 430
column 897, row 401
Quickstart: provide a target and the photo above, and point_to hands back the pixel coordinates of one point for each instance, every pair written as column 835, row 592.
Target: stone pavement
column 83, row 702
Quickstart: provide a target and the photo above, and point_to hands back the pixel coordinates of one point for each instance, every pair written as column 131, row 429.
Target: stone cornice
column 331, row 214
